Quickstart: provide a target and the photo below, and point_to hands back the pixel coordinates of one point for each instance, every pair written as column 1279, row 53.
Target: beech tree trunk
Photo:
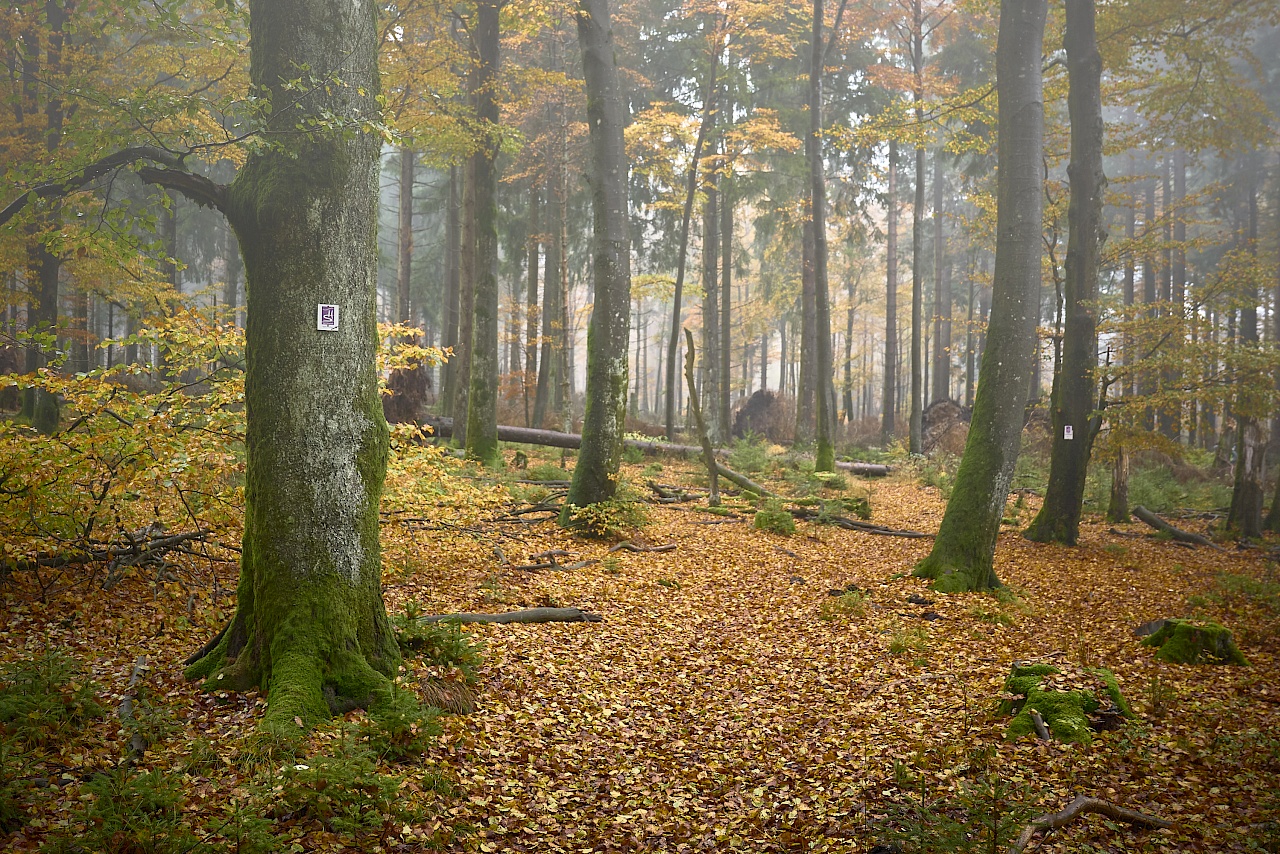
column 310, row 627
column 1074, row 386
column 482, row 399
column 963, row 552
column 824, row 390
column 595, row 478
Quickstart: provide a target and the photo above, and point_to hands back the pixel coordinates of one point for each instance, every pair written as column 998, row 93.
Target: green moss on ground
column 1065, row 713
column 1191, row 642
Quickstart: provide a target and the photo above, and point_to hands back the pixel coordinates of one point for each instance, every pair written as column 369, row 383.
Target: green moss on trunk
column 310, row 627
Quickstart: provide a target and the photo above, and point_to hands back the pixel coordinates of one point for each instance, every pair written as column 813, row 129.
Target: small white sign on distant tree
column 1068, row 432
column 327, row 317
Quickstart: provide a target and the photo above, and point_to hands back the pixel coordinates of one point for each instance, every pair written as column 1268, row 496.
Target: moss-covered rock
column 1074, row 705
column 1193, row 642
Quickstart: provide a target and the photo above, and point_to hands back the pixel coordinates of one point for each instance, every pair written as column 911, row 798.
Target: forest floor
column 726, row 701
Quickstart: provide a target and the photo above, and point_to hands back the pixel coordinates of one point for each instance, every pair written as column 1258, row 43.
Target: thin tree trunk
column 887, row 415
column 531, row 304
column 963, row 551
column 1245, row 515
column 915, row 435
column 823, row 387
column 805, row 379
column 1074, row 385
column 452, row 309
column 673, row 343
column 466, row 299
column 710, row 367
column 941, row 292
column 482, row 400
column 726, row 291
column 595, row 478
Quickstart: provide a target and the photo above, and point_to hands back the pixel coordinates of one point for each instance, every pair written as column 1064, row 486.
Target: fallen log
column 1176, row 533
column 443, row 427
column 529, row 615
column 1085, row 804
column 628, row 546
column 743, row 482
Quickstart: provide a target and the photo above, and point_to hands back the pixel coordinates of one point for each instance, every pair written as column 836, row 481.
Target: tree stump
column 1189, row 642
column 1074, row 702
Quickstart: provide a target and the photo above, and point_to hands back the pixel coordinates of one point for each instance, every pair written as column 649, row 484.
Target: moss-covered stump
column 1075, row 702
column 1192, row 642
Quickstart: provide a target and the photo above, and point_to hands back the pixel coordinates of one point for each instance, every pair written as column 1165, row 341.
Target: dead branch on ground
column 1085, row 804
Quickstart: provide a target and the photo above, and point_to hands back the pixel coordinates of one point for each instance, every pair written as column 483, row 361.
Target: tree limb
column 197, row 188
column 90, row 173
column 1085, row 804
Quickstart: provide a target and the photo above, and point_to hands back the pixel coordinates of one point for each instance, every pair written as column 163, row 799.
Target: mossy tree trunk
column 595, row 478
column 915, row 423
column 482, row 402
column 310, row 627
column 963, row 552
column 824, row 369
column 1074, row 385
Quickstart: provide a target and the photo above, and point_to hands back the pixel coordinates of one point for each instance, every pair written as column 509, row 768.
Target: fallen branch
column 529, row 615
column 1085, row 804
column 137, row 743
column 810, row 514
column 628, row 546
column 1177, row 533
column 95, row 552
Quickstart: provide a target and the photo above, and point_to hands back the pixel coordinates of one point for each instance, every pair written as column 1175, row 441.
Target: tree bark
column 595, row 478
column 404, row 235
column 310, row 626
column 889, row 404
column 963, row 552
column 824, row 390
column 711, row 311
column 482, row 399
column 726, row 288
column 451, row 310
column 1245, row 515
column 941, row 291
column 531, row 304
column 915, row 438
column 704, row 439
column 1075, row 385
column 691, row 187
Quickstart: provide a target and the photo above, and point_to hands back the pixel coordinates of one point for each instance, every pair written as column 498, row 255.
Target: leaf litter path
column 714, row 709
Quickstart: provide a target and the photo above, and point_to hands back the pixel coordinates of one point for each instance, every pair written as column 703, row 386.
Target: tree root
column 1177, row 533
column 1085, row 804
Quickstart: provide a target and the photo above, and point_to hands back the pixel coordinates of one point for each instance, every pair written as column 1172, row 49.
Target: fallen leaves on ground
column 713, row 709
